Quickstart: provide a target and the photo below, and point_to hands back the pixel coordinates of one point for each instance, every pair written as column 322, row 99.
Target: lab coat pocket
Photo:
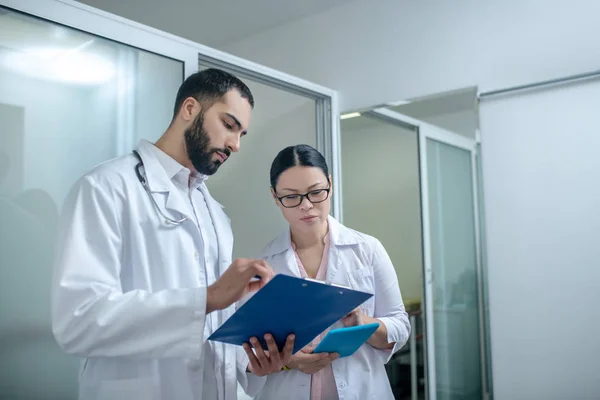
column 363, row 278
column 127, row 389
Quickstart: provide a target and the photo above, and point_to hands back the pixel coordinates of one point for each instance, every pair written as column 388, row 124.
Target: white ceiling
column 214, row 23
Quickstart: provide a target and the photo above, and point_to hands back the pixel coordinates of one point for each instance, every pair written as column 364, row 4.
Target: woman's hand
column 308, row 362
column 266, row 362
column 354, row 318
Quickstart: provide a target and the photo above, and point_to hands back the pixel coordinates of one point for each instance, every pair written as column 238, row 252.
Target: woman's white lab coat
column 360, row 262
column 129, row 293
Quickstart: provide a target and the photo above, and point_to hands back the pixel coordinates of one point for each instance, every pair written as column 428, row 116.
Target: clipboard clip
column 328, row 283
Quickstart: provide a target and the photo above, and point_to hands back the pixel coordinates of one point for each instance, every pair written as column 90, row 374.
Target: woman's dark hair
column 300, row 154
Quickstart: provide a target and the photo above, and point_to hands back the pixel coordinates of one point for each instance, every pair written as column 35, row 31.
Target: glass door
column 452, row 274
column 451, row 265
column 484, row 291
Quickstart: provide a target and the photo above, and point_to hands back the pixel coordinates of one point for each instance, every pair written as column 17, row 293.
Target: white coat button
column 342, row 385
column 196, row 255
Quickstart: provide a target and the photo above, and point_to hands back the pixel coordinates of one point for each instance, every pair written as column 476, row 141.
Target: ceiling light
column 398, row 103
column 59, row 64
column 350, row 115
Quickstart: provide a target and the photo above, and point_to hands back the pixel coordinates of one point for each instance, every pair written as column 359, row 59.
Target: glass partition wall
column 78, row 87
column 421, row 180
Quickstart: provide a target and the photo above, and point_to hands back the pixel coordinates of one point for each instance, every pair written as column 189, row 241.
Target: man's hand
column 354, row 318
column 236, row 281
column 308, row 362
column 266, row 362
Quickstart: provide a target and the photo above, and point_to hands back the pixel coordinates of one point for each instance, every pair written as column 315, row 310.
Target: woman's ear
column 274, row 195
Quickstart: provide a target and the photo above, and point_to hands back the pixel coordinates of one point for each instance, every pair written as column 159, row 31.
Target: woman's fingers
column 253, row 363
column 260, row 353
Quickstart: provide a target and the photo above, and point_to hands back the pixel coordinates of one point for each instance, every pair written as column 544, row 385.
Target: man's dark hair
column 210, row 85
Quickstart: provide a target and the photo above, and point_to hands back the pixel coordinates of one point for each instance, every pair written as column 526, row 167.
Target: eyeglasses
column 314, row 196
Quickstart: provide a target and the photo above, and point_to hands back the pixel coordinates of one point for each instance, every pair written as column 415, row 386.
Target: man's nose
column 234, row 143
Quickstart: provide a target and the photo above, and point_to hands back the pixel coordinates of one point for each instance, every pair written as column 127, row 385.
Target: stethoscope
column 144, row 183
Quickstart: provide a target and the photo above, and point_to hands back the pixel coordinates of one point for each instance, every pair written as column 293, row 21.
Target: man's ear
column 189, row 109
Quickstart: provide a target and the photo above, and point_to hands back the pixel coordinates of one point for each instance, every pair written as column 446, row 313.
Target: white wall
column 541, row 191
column 376, row 52
column 380, row 182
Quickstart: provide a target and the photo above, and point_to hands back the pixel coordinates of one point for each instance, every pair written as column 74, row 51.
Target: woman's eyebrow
column 296, row 190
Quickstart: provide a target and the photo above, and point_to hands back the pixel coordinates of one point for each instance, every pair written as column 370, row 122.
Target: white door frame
column 428, row 131
column 97, row 22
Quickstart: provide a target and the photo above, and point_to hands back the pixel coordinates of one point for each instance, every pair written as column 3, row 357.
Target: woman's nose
column 306, row 204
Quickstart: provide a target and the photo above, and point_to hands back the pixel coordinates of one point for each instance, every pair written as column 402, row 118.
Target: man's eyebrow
column 236, row 121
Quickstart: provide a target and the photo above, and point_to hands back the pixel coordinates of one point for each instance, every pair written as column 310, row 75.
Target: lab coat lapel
column 291, row 263
column 222, row 228
column 333, row 265
column 175, row 203
column 161, row 186
column 339, row 237
column 282, row 254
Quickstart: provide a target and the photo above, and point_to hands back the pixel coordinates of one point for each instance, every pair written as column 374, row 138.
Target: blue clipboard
column 345, row 341
column 286, row 305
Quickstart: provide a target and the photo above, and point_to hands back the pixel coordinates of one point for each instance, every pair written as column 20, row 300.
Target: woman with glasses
column 319, row 247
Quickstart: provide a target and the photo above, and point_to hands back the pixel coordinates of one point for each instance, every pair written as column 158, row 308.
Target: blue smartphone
column 345, row 341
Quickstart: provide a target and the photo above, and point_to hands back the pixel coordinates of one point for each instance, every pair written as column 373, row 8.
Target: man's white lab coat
column 129, row 292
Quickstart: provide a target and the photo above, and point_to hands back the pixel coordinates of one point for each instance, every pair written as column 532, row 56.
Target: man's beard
column 197, row 144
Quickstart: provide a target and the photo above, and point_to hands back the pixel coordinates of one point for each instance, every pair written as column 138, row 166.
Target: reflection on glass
column 455, row 296
column 68, row 101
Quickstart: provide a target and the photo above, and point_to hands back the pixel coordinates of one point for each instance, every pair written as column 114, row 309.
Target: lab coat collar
column 156, row 176
column 339, row 235
column 159, row 183
column 161, row 168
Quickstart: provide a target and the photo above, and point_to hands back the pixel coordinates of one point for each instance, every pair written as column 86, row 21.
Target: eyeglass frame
column 303, row 196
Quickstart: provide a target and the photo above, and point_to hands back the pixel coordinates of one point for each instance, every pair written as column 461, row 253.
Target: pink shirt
column 322, row 383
